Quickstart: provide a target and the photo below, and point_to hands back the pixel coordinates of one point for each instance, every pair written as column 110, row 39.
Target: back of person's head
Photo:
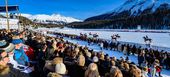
column 4, row 70
column 81, row 60
column 102, row 57
column 115, row 72
column 88, row 54
column 92, row 71
column 113, row 63
column 53, row 75
column 57, row 60
column 135, row 71
column 126, row 66
column 95, row 59
column 77, row 50
column 114, row 58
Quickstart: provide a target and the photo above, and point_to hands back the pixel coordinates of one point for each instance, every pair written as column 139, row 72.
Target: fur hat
column 60, row 68
column 5, row 46
column 95, row 59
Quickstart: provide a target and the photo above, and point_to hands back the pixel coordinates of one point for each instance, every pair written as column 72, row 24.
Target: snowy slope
column 141, row 6
column 52, row 18
column 158, row 3
column 126, row 6
column 134, row 6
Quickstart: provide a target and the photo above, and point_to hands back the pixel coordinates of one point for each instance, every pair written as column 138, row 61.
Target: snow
column 53, row 17
column 12, row 22
column 126, row 6
column 142, row 5
column 139, row 5
column 96, row 48
column 158, row 3
column 160, row 40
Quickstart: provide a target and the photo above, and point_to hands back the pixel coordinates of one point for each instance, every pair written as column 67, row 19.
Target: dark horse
column 146, row 38
column 115, row 37
column 95, row 35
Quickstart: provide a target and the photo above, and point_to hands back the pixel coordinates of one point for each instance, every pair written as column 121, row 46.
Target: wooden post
column 6, row 2
column 18, row 14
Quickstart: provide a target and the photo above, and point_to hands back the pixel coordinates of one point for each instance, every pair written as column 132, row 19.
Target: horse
column 95, row 35
column 146, row 38
column 115, row 37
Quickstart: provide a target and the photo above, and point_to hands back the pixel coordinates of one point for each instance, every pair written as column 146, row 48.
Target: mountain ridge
column 150, row 14
column 54, row 18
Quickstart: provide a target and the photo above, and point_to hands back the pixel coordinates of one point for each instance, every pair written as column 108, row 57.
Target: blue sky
column 80, row 9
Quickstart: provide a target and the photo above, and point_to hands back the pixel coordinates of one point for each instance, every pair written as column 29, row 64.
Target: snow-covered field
column 159, row 39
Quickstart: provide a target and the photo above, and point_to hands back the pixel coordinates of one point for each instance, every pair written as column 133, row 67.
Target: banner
column 10, row 8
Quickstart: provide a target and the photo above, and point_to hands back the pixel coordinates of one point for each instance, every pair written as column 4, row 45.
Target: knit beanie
column 5, row 46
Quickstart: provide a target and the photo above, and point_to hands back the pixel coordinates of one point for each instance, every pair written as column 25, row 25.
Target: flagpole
column 18, row 15
column 6, row 2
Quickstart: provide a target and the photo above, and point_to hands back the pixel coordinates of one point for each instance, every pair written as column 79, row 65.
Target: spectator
column 92, row 71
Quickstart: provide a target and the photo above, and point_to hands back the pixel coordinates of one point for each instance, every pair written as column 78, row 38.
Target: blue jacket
column 20, row 56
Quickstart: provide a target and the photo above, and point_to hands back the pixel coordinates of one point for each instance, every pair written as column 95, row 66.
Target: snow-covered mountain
column 52, row 19
column 135, row 8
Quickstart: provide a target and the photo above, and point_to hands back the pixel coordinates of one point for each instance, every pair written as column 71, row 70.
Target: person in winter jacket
column 19, row 53
column 7, row 68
